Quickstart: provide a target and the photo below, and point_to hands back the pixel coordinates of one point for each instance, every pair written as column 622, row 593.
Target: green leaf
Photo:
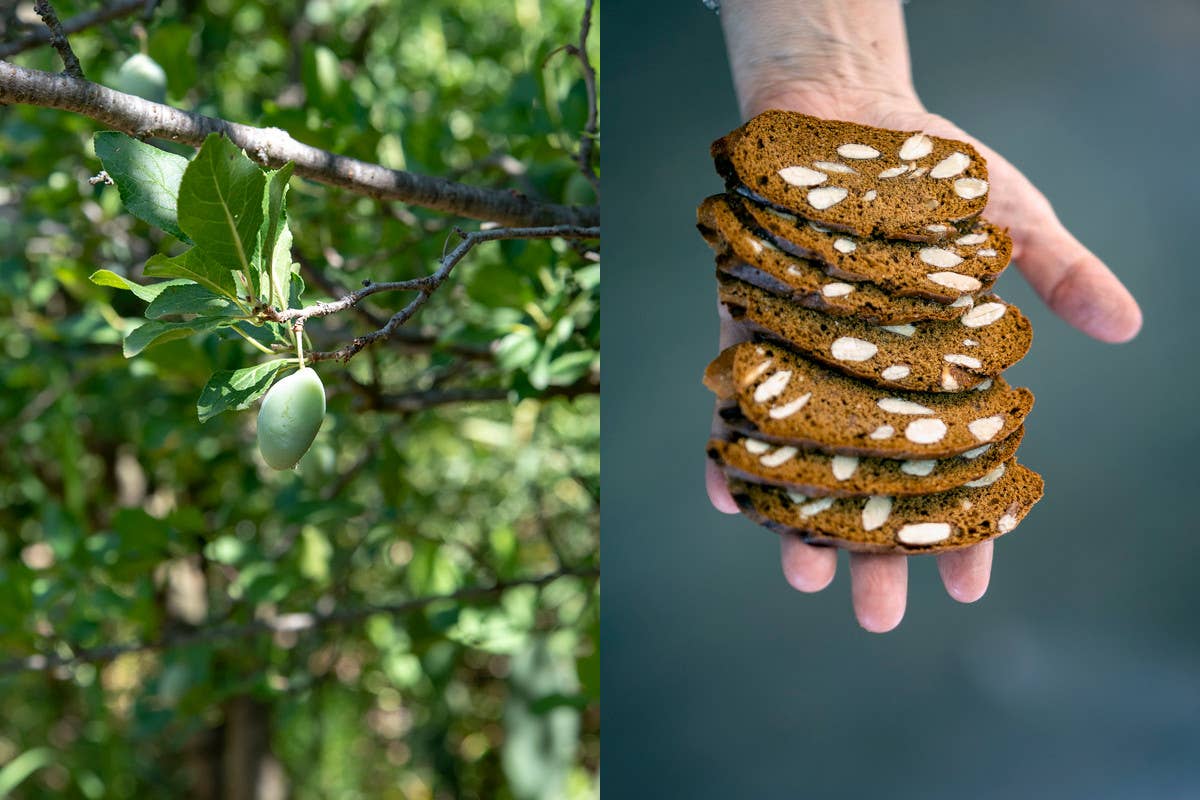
column 157, row 332
column 588, row 277
column 221, row 203
column 106, row 277
column 233, row 390
column 14, row 773
column 569, row 367
column 189, row 298
column 518, row 349
column 147, row 178
column 275, row 267
column 294, row 295
column 193, row 265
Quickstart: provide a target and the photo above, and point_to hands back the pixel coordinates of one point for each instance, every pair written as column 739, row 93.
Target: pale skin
column 848, row 60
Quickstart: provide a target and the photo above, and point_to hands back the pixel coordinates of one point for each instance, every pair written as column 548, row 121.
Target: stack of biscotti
column 868, row 410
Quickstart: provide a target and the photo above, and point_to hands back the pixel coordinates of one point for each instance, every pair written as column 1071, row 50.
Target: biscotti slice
column 925, row 356
column 819, row 474
column 941, row 272
column 792, row 400
column 750, row 257
column 856, row 178
column 882, row 524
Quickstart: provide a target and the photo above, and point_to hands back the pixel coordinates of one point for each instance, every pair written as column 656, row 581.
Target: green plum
column 290, row 417
column 141, row 75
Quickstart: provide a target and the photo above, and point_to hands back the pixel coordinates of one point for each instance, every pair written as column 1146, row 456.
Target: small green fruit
column 141, row 75
column 290, row 417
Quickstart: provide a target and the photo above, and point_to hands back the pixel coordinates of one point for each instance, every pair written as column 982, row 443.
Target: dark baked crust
column 909, row 206
column 813, row 473
column 767, row 383
column 909, row 357
column 742, row 250
column 970, row 515
column 901, row 268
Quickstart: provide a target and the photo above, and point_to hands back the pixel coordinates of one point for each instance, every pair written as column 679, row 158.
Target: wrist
column 827, row 57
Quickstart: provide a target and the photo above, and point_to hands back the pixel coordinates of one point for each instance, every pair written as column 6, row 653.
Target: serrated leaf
column 195, row 266
column 233, row 390
column 147, row 178
column 157, row 332
column 276, row 265
column 221, row 203
column 106, row 277
column 190, row 298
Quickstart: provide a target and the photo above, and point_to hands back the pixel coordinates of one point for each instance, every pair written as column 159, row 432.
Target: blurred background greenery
column 125, row 520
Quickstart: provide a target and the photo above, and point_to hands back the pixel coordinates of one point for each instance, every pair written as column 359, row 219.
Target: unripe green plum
column 290, row 417
column 141, row 75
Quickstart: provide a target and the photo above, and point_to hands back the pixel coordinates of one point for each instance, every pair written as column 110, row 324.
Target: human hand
column 848, row 60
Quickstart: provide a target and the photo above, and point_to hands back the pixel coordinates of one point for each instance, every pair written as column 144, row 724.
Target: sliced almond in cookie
column 817, row 474
column 929, row 523
column 744, row 251
column 944, row 181
column 841, row 415
column 899, row 267
column 916, row 357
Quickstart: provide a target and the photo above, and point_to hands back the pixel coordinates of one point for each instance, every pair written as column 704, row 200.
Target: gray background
column 1078, row 675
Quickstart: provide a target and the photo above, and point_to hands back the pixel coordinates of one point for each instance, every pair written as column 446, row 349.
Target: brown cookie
column 857, row 178
column 818, row 474
column 929, row 356
column 941, row 272
column 928, row 523
column 792, row 400
column 747, row 254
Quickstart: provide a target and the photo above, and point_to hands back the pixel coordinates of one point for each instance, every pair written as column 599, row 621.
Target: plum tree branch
column 298, row 622
column 75, row 24
column 58, row 38
column 274, row 147
column 424, row 286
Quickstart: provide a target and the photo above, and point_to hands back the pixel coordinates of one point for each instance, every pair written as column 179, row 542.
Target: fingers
column 966, row 572
column 879, row 587
column 1076, row 285
column 718, row 489
column 714, row 479
column 1073, row 282
column 808, row 568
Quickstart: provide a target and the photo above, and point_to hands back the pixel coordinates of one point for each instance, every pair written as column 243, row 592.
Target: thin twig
column 300, row 622
column 424, row 287
column 58, row 38
column 419, row 339
column 75, row 24
column 591, row 130
column 275, row 147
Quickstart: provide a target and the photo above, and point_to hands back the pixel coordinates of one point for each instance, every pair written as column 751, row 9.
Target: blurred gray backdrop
column 1078, row 675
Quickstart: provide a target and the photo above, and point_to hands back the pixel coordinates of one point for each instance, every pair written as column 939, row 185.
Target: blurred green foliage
column 123, row 518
